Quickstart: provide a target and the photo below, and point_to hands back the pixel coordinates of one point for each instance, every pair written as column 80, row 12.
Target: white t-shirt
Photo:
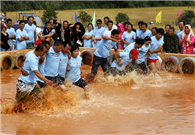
column 37, row 32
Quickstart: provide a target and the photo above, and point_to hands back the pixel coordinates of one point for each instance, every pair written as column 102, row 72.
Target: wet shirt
column 11, row 32
column 128, row 37
column 138, row 31
column 129, row 47
column 155, row 44
column 20, row 44
column 146, row 33
column 88, row 42
column 63, row 64
column 104, row 48
column 125, row 60
column 74, row 65
column 52, row 63
column 30, row 29
column 98, row 33
column 30, row 65
column 142, row 53
column 178, row 33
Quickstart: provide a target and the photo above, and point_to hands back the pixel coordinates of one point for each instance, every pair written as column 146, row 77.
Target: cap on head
column 134, row 52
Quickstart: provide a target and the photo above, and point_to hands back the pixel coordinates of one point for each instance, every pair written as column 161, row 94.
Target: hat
column 134, row 52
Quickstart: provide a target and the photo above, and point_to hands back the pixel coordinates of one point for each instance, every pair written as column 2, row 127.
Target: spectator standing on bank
column 11, row 32
column 4, row 38
column 77, row 32
column 30, row 28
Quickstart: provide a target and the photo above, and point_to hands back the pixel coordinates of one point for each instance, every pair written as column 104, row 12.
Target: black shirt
column 4, row 39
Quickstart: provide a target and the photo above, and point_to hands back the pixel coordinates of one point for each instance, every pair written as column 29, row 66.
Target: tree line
column 67, row 5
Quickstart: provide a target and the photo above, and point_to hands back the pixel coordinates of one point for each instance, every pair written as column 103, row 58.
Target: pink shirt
column 190, row 48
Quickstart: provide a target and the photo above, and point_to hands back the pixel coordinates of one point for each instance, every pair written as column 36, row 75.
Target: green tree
column 121, row 18
column 189, row 17
column 49, row 12
column 84, row 17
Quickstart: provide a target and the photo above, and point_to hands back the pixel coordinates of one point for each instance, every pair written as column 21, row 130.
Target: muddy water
column 154, row 104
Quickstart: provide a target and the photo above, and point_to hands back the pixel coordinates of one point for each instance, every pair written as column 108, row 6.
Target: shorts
column 42, row 84
column 151, row 60
column 55, row 79
column 23, row 95
column 143, row 67
column 29, row 45
column 97, row 61
column 80, row 83
column 114, row 71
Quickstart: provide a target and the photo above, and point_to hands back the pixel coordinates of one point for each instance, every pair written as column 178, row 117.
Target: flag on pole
column 93, row 21
column 179, row 14
column 75, row 16
column 158, row 17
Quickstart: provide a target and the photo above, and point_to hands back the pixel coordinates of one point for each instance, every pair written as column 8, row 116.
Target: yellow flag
column 158, row 17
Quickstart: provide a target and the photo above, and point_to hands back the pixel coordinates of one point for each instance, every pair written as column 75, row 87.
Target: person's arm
column 87, row 37
column 108, row 38
column 182, row 40
column 49, row 35
column 165, row 45
column 21, row 39
column 117, row 58
column 40, row 76
column 12, row 37
column 35, row 36
column 191, row 42
column 176, row 44
column 67, row 68
column 26, row 38
column 157, row 50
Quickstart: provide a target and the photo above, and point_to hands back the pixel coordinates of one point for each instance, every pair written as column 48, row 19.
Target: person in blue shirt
column 26, row 85
column 155, row 46
column 74, row 67
column 11, row 32
column 52, row 64
column 122, row 59
column 179, row 32
column 102, row 52
column 31, row 31
column 65, row 55
column 98, row 33
column 142, row 55
column 135, row 45
column 138, row 31
column 21, row 36
column 128, row 36
column 88, row 36
column 145, row 32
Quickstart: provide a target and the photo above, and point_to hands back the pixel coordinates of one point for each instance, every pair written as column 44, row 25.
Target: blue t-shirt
column 88, row 42
column 30, row 65
column 129, row 47
column 74, row 65
column 178, row 33
column 11, row 32
column 20, row 44
column 138, row 31
column 128, row 37
column 155, row 44
column 52, row 63
column 142, row 53
column 125, row 60
column 104, row 48
column 146, row 33
column 98, row 33
column 63, row 64
column 30, row 31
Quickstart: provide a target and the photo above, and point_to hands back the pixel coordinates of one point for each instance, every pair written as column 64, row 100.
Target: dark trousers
column 114, row 71
column 97, row 61
column 143, row 67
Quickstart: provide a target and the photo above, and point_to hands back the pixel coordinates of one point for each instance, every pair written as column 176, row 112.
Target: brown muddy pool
column 135, row 104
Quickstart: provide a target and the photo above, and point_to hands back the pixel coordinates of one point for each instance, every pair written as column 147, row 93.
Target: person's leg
column 113, row 71
column 96, row 63
column 105, row 66
column 157, row 64
column 81, row 83
column 153, row 67
column 61, row 83
column 143, row 67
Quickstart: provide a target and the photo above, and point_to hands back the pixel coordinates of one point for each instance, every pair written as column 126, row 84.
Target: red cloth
column 38, row 41
column 151, row 60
